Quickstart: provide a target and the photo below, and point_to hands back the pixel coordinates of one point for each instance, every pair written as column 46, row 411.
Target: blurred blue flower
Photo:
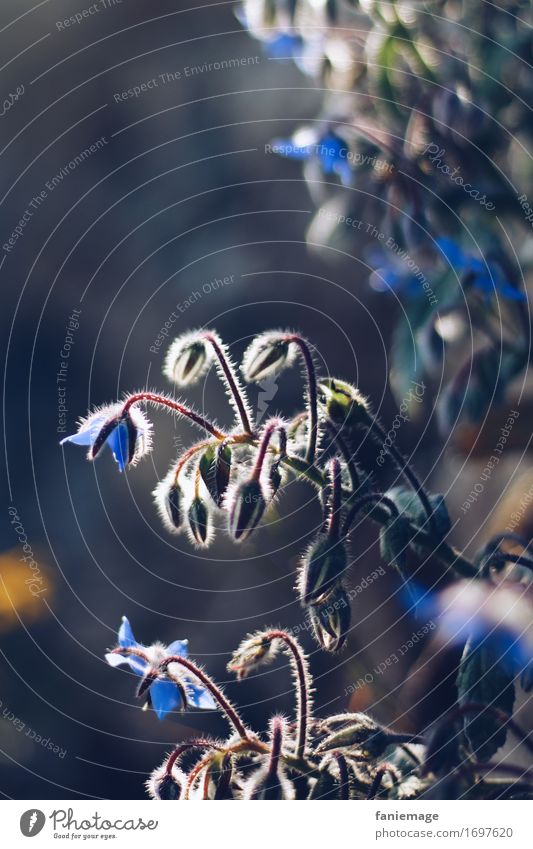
column 499, row 617
column 329, row 151
column 286, row 45
column 487, row 277
column 127, row 436
column 164, row 696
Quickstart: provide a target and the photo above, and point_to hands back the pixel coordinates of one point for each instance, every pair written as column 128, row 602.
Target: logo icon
column 32, row 822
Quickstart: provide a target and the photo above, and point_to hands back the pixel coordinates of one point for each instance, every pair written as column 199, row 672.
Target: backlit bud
column 215, row 469
column 162, row 785
column 364, row 735
column 168, row 496
column 330, row 619
column 187, row 359
column 218, row 777
column 254, row 651
column 199, row 522
column 322, row 565
column 267, row 356
column 343, row 404
column 247, row 505
column 268, row 786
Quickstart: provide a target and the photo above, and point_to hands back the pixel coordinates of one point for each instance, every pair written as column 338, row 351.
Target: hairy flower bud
column 322, row 565
column 343, row 404
column 246, row 507
column 267, row 355
column 218, row 777
column 255, row 650
column 199, row 522
column 128, row 434
column 168, row 496
column 187, row 359
column 268, row 786
column 363, row 735
column 330, row 618
column 164, row 785
column 215, row 469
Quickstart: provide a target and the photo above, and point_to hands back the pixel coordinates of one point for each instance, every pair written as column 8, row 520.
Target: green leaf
column 408, row 504
column 484, row 679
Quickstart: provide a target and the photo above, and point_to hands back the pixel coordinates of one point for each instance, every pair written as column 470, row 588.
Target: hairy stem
column 231, row 379
column 312, row 392
column 160, row 400
column 303, row 696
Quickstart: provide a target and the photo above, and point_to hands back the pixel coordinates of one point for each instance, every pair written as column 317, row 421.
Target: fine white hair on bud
column 169, row 497
column 166, row 786
column 246, row 502
column 343, row 404
column 187, row 359
column 254, row 651
column 199, row 521
column 267, row 356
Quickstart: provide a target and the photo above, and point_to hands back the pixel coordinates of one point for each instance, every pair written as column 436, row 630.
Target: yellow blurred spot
column 23, row 589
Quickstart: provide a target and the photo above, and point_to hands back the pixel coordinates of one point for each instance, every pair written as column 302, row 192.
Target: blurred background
column 176, row 209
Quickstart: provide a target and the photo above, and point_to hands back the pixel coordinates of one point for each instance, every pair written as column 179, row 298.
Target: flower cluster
column 342, row 756
column 229, row 479
column 412, row 163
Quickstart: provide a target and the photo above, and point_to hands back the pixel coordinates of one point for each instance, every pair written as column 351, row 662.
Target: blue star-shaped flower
column 127, row 436
column 164, row 696
column 328, row 150
column 487, row 277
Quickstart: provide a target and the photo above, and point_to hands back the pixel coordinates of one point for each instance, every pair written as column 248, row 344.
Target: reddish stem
column 312, row 391
column 231, row 380
column 173, row 405
column 303, row 696
column 268, row 433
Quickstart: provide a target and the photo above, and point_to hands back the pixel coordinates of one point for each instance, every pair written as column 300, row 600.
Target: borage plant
column 235, row 475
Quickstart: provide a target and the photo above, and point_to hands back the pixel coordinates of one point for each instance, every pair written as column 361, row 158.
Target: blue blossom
column 328, row 150
column 498, row 617
column 286, row 45
column 128, row 436
column 163, row 695
column 488, row 277
column 392, row 272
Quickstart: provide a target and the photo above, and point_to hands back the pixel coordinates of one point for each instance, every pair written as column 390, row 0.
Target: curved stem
column 231, row 379
column 190, row 452
column 406, row 470
column 372, row 498
column 312, row 392
column 271, row 427
column 177, row 407
column 303, row 696
column 185, row 747
column 225, row 704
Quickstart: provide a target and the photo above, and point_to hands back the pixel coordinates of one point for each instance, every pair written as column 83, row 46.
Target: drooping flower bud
column 199, row 522
column 246, row 507
column 364, row 735
column 321, row 567
column 169, row 496
column 215, row 469
column 255, row 650
column 164, row 785
column 268, row 786
column 187, row 359
column 330, row 619
column 343, row 404
column 267, row 355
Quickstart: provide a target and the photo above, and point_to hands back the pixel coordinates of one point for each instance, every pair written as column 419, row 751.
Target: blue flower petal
column 125, row 635
column 118, row 441
column 284, row 46
column 165, row 697
column 199, row 697
column 180, row 647
column 136, row 664
column 88, row 433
